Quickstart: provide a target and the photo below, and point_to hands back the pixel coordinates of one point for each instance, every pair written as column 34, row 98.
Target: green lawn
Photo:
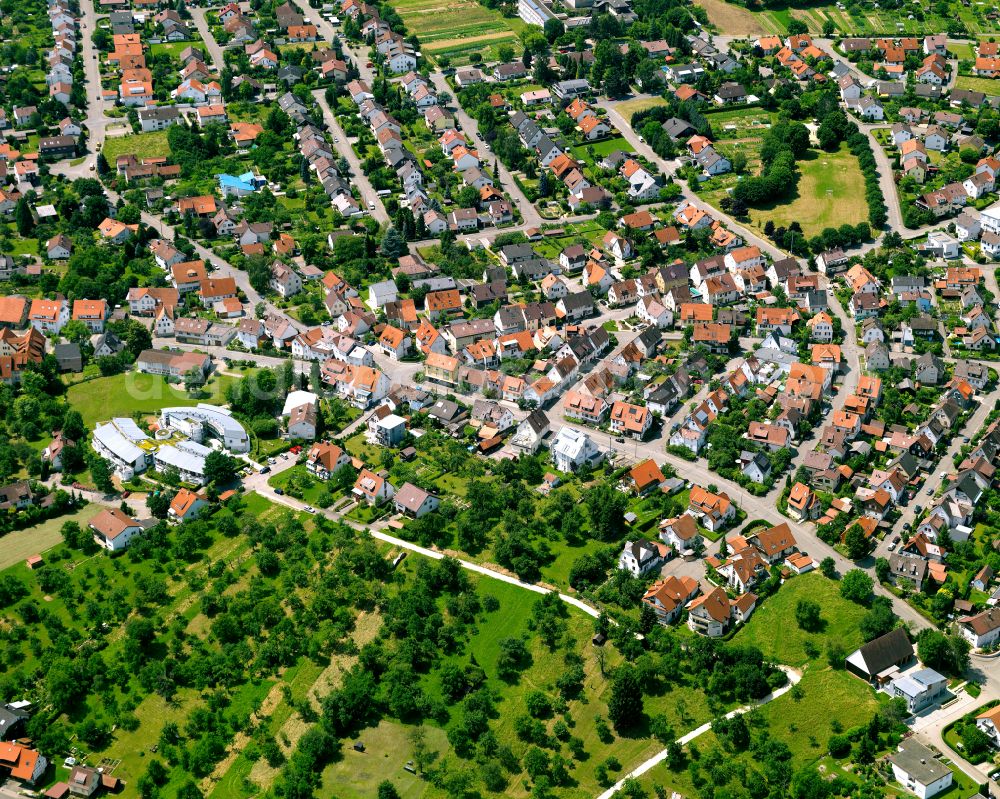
column 358, row 446
column 962, row 50
column 173, row 49
column 773, row 630
column 133, row 392
column 557, row 572
column 143, row 145
column 387, row 749
column 309, row 488
column 600, row 149
column 829, row 698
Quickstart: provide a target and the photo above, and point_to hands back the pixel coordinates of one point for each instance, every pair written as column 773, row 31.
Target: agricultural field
column 458, row 29
column 735, row 20
column 144, row 145
column 133, row 392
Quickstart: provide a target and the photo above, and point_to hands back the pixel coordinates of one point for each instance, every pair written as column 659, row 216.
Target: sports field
column 458, row 28
column 830, row 192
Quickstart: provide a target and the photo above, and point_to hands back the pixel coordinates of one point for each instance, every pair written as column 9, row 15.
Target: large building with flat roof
column 124, row 445
column 534, row 12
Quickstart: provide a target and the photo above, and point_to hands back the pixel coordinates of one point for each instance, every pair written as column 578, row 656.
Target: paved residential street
column 212, row 49
column 370, row 201
column 529, row 213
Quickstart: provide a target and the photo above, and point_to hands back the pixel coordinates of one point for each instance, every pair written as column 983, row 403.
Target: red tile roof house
column 113, row 529
column 92, row 313
column 324, row 459
column 185, row 505
column 373, row 488
column 775, row 543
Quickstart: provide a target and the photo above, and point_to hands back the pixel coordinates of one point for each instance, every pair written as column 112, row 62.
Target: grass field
column 830, row 192
column 961, row 50
column 387, row 748
column 125, row 394
column 829, row 697
column 144, row 145
column 316, row 487
column 773, row 630
column 630, row 107
column 16, row 546
column 990, row 86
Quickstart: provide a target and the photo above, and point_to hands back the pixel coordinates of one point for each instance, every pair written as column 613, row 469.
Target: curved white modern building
column 203, row 421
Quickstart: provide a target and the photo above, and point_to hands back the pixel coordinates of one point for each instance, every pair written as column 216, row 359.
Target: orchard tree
column 857, row 586
column 807, row 615
column 625, row 705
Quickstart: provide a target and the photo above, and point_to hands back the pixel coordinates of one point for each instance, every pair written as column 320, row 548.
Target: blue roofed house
column 240, row 185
